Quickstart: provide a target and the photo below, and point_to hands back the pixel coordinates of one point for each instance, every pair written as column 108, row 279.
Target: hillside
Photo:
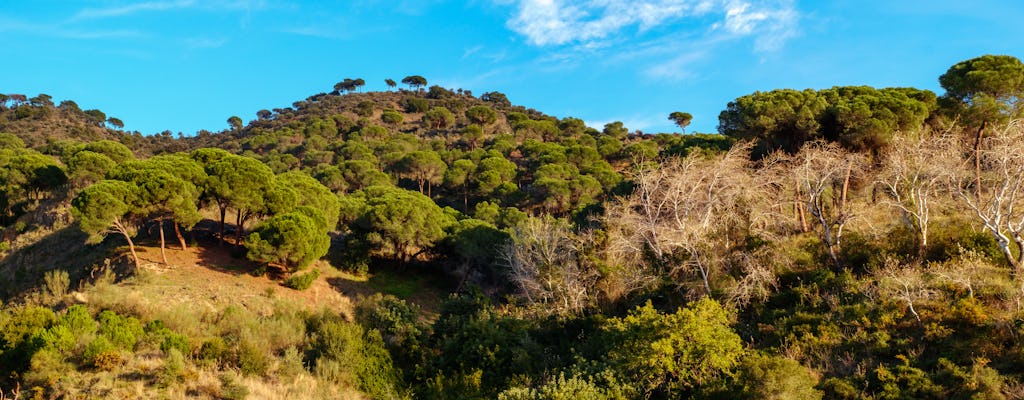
column 844, row 243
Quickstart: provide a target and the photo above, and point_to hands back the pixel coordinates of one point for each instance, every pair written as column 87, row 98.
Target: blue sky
column 186, row 65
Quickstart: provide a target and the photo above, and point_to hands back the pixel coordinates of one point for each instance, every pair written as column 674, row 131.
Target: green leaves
column 860, row 117
column 293, row 239
column 395, row 222
column 674, row 351
column 986, row 88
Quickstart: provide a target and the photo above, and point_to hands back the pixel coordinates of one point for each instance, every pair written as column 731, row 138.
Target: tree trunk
column 181, row 239
column 163, row 244
column 223, row 213
column 238, row 228
column 131, row 245
column 977, row 161
column 801, row 216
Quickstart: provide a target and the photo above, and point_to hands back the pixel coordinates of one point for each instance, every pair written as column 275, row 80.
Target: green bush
column 173, row 341
column 215, row 350
column 302, row 281
column 174, row 368
column 123, row 332
column 252, row 360
column 102, row 354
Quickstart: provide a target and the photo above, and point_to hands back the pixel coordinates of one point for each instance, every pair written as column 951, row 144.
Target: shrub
column 174, row 368
column 215, row 350
column 302, row 281
column 252, row 360
column 174, row 342
column 231, row 389
column 123, row 332
column 102, row 354
column 57, row 283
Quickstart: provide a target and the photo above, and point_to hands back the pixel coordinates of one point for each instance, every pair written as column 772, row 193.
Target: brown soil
column 210, row 275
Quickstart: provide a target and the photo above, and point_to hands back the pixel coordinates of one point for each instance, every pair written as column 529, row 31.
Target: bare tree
column 681, row 213
column 915, row 171
column 823, row 173
column 907, row 285
column 548, row 265
column 994, row 188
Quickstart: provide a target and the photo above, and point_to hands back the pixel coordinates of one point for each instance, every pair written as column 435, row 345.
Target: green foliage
column 294, row 239
column 482, row 115
column 391, row 117
column 341, row 349
column 776, row 378
column 438, row 118
column 986, row 88
column 571, row 388
column 302, row 281
column 395, row 222
column 859, row 117
column 122, row 332
column 669, row 352
column 101, row 354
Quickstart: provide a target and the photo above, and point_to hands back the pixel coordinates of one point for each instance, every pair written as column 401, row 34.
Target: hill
column 848, row 243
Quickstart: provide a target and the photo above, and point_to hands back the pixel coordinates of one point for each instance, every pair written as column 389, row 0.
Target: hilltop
column 847, row 242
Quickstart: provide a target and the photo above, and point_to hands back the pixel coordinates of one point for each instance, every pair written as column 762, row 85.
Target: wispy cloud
column 676, row 68
column 589, row 23
column 61, row 31
column 130, row 9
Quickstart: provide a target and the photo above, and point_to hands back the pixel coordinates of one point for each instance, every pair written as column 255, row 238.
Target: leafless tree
column 681, row 213
column 994, row 188
column 548, row 265
column 905, row 284
column 823, row 173
column 914, row 172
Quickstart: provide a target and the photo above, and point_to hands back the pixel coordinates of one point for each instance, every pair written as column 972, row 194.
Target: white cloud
column 677, row 68
column 587, row 23
column 120, row 11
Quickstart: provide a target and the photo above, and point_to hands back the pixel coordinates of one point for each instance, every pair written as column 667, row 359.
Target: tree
column 395, row 222
column 390, row 82
column 415, row 81
column 859, row 117
column 457, row 177
column 822, row 173
column 240, row 183
column 115, row 122
column 497, row 98
column 424, row 167
column 549, row 268
column 161, row 195
column 680, row 214
column 482, row 115
column 311, row 193
column 235, row 123
column 986, row 88
column 438, row 118
column 914, row 172
column 391, row 117
column 681, row 118
column 116, row 151
column 106, row 207
column 993, row 188
column 292, row 240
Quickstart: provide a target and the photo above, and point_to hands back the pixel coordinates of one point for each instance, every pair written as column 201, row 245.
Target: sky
column 187, row 65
